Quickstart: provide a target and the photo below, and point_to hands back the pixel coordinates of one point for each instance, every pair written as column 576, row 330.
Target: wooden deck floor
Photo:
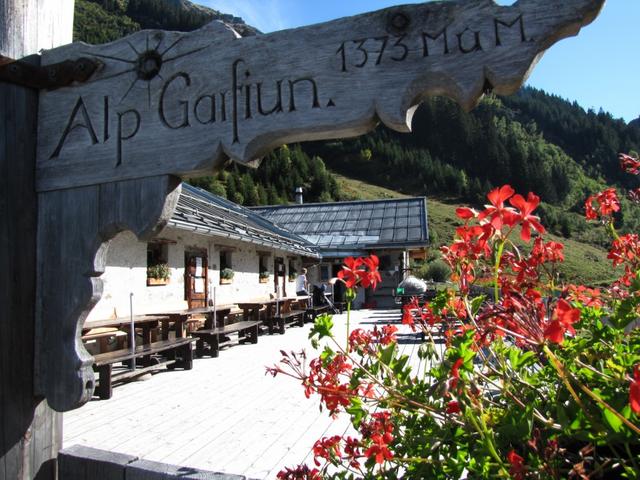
column 225, row 415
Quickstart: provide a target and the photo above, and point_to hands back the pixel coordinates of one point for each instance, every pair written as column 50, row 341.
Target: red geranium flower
column 625, row 249
column 325, row 448
column 497, row 213
column 607, row 204
column 371, row 276
column 634, row 195
column 562, row 321
column 380, row 432
column 527, row 207
column 634, row 391
column 465, row 213
column 455, row 373
column 589, row 297
column 453, row 408
column 301, row 472
column 517, row 469
column 409, row 311
column 629, row 164
column 379, row 450
column 349, row 273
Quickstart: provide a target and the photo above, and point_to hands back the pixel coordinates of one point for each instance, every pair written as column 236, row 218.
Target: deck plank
column 225, row 414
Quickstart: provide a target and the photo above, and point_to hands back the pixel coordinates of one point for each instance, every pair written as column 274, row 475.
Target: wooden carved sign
column 173, row 104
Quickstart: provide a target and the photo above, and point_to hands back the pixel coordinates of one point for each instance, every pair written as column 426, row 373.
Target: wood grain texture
column 29, row 26
column 30, row 432
column 74, row 229
column 174, row 103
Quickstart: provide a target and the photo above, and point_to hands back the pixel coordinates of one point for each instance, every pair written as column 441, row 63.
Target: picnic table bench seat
column 98, row 333
column 313, row 312
column 295, row 317
column 215, row 338
column 178, row 352
column 102, row 337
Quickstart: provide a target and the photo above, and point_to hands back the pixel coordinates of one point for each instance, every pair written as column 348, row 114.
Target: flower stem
column 348, row 325
column 594, row 396
column 496, row 271
column 481, row 428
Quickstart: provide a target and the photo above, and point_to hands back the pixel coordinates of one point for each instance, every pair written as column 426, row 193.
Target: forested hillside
column 534, row 141
column 101, row 21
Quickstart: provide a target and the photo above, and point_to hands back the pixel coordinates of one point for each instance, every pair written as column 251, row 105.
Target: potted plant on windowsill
column 158, row 274
column 293, row 275
column 226, row 276
column 264, row 276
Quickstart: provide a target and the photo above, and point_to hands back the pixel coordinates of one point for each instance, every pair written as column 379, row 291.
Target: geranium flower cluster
column 519, row 376
column 602, row 206
column 365, row 341
column 376, row 437
column 360, row 271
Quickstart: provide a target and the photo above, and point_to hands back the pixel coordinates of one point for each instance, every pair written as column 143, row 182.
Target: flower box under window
column 158, row 274
column 226, row 276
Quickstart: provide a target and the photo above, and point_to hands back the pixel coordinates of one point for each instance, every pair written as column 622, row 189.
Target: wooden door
column 196, row 281
column 279, row 275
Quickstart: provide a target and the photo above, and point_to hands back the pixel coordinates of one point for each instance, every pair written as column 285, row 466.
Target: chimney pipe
column 299, row 198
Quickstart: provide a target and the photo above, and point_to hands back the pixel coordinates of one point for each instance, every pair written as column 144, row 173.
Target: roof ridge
column 347, row 202
column 235, row 217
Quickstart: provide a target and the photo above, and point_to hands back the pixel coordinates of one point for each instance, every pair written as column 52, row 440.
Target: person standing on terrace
column 302, row 286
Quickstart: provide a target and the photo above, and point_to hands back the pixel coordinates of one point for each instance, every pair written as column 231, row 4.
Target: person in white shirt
column 302, row 287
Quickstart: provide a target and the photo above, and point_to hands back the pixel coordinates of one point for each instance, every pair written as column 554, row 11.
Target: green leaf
column 356, row 411
column 476, row 303
column 513, row 357
column 386, row 354
column 614, row 422
column 321, row 328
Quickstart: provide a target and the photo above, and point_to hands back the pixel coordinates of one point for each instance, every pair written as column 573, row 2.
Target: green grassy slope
column 583, row 263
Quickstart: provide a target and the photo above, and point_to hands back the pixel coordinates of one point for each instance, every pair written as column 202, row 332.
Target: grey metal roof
column 355, row 226
column 206, row 213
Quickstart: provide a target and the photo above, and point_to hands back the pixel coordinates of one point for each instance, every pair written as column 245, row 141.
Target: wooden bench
column 288, row 313
column 313, row 312
column 102, row 337
column 215, row 337
column 178, row 352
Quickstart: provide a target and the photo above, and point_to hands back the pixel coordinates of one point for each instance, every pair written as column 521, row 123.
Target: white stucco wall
column 126, row 273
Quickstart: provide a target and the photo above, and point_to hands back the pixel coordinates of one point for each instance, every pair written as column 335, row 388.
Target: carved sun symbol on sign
column 147, row 64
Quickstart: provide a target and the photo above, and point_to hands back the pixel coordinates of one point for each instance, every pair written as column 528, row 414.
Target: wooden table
column 270, row 308
column 145, row 322
column 180, row 318
column 251, row 308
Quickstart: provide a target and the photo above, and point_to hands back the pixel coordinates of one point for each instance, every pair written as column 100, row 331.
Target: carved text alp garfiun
column 177, row 109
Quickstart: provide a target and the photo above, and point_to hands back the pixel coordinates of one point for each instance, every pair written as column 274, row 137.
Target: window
column 263, row 268
column 226, row 267
column 293, row 273
column 158, row 271
column 324, row 273
column 225, row 260
column 263, row 263
column 157, row 253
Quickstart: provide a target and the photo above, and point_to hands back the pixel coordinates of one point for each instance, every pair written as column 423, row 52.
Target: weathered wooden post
column 30, row 431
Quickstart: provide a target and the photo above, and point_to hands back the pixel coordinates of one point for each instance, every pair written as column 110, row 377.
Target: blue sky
column 599, row 68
